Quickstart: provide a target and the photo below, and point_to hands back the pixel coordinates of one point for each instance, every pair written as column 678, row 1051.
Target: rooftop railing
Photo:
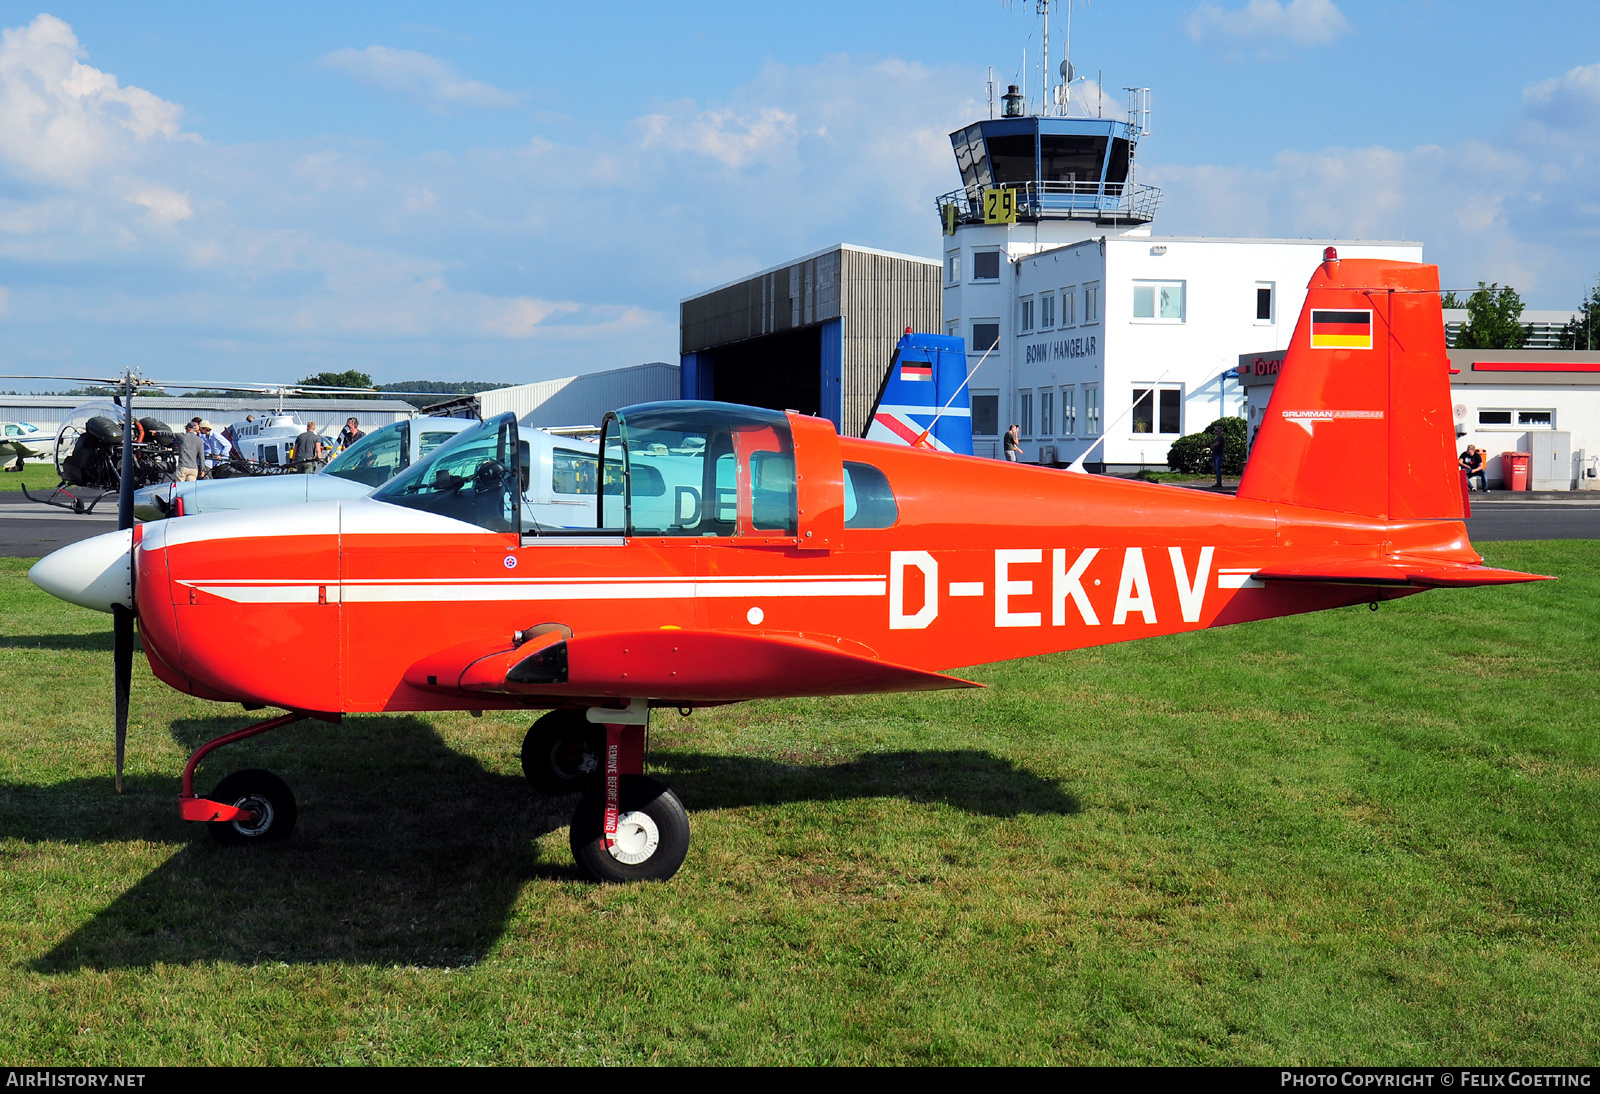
column 1063, row 200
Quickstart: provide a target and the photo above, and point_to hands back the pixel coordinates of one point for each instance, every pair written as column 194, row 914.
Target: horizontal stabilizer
column 679, row 665
column 1419, row 573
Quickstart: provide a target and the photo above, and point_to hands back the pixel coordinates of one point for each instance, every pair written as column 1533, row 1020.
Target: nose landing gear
column 246, row 807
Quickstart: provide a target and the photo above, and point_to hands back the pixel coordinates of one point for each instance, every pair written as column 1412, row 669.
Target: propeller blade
column 122, row 670
column 122, row 618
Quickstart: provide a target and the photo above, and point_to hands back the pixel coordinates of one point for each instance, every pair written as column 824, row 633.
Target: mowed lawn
column 1357, row 837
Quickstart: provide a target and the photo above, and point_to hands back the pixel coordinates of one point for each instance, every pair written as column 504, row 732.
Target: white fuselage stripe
column 636, row 589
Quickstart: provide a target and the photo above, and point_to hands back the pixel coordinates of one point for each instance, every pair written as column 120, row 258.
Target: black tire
column 264, row 794
column 564, row 752
column 645, row 805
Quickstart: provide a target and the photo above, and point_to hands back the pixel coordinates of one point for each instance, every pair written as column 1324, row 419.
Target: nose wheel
column 265, row 804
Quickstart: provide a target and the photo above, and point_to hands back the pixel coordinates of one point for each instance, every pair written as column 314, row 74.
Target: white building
column 1091, row 331
column 570, row 401
column 1128, row 335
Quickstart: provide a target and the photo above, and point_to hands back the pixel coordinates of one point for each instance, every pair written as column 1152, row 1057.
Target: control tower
column 1054, row 177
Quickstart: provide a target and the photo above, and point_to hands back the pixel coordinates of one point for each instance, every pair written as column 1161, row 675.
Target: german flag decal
column 1341, row 329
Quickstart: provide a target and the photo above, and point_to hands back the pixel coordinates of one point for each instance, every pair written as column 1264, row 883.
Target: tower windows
column 985, row 335
column 1025, row 315
column 1091, row 303
column 986, row 265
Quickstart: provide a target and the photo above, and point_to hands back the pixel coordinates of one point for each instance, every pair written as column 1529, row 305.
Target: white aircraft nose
column 92, row 572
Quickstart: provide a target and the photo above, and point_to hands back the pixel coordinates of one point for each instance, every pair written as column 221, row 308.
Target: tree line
column 1494, row 319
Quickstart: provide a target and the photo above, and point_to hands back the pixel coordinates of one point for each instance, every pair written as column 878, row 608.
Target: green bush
column 1192, row 453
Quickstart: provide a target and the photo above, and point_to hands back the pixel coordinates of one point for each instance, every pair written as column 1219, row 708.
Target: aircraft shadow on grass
column 97, row 642
column 407, row 852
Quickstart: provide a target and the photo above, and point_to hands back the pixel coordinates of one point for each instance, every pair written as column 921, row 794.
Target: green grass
column 36, row 474
column 1356, row 837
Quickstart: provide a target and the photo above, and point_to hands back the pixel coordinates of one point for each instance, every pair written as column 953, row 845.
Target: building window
column 953, row 328
column 985, row 335
column 1091, row 410
column 1505, row 419
column 1158, row 301
column 1091, row 303
column 986, row 265
column 1047, row 413
column 1069, row 411
column 1025, row 315
column 1047, row 311
column 1264, row 301
column 952, row 268
column 1069, row 306
column 986, row 415
column 1025, row 412
column 1157, row 410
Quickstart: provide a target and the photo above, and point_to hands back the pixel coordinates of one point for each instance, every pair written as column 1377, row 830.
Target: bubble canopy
column 690, row 468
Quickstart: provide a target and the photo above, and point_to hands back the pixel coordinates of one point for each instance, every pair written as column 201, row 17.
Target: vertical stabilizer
column 927, row 380
column 1359, row 420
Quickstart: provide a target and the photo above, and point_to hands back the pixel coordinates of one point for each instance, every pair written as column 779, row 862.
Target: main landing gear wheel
column 265, row 795
column 652, row 833
column 563, row 752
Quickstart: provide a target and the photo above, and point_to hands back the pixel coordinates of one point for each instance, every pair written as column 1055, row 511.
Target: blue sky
column 513, row 192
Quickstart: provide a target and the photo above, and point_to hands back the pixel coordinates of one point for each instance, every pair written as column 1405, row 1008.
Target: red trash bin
column 1515, row 465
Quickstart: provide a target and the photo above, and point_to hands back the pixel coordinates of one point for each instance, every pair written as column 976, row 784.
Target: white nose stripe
column 92, row 572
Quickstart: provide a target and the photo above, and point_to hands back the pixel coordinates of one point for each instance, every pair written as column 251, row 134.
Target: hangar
column 814, row 335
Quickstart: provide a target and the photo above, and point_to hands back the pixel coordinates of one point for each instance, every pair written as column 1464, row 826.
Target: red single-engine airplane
column 742, row 553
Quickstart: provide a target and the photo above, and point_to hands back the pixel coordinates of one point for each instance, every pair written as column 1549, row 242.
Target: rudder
column 1359, row 420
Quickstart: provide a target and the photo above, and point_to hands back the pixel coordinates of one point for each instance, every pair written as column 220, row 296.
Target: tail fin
column 1360, row 421
column 926, row 381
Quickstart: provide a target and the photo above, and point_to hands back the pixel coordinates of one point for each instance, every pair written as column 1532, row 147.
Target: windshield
column 700, row 469
column 473, row 477
column 374, row 459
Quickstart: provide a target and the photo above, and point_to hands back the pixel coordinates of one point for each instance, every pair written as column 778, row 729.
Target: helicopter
column 86, row 444
column 740, row 553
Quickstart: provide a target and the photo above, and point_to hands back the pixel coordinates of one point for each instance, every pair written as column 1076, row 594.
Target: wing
column 683, row 665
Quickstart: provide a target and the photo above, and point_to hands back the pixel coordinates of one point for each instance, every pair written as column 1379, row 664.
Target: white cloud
column 62, row 121
column 519, row 318
column 732, row 137
column 167, row 206
column 434, row 83
column 1263, row 24
column 1519, row 208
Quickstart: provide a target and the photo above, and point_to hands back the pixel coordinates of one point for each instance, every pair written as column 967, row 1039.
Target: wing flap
column 1395, row 572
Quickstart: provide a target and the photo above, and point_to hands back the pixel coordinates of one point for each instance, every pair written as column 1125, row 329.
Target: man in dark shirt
column 1219, row 443
column 308, row 450
column 1012, row 445
column 351, row 433
column 1472, row 464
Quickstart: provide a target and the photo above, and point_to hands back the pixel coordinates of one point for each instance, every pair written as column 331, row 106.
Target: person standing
column 1219, row 444
column 1012, row 445
column 351, row 433
column 308, row 450
column 191, row 453
column 217, row 449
